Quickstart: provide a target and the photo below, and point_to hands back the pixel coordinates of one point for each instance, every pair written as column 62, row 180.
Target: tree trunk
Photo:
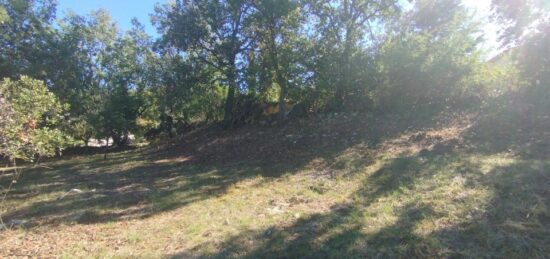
column 230, row 100
column 229, row 103
column 345, row 83
column 117, row 140
column 282, row 108
column 281, row 81
column 106, row 150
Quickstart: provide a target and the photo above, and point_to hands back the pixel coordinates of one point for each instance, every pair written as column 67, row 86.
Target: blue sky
column 122, row 11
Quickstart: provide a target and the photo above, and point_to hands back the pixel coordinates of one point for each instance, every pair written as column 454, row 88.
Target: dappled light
column 400, row 197
column 275, row 129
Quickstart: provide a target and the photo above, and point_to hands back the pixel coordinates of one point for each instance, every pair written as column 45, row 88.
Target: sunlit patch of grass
column 134, row 237
column 455, row 189
column 358, row 203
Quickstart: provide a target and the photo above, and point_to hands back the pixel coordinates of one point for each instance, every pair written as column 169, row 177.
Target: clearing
column 339, row 185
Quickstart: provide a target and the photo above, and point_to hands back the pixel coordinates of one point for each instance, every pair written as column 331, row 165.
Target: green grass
column 391, row 200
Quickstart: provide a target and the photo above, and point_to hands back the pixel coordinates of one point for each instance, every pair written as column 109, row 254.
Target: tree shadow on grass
column 338, row 234
column 511, row 221
column 144, row 182
column 138, row 192
column 524, row 134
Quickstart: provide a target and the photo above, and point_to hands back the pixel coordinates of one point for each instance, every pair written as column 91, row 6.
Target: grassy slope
column 337, row 186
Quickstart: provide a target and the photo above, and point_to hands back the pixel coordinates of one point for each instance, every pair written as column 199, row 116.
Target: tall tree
column 26, row 37
column 526, row 27
column 123, row 81
column 101, row 73
column 425, row 60
column 519, row 17
column 345, row 25
column 279, row 24
column 186, row 91
column 82, row 52
column 216, row 32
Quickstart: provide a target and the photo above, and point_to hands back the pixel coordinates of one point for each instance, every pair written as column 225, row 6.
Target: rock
column 71, row 191
column 274, row 210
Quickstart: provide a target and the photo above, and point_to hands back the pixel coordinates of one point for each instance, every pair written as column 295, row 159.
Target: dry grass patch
column 416, row 194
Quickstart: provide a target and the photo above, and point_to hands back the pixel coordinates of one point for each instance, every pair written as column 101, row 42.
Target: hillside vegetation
column 334, row 185
column 275, row 129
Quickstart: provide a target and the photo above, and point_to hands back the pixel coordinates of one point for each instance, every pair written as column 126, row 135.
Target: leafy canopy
column 29, row 114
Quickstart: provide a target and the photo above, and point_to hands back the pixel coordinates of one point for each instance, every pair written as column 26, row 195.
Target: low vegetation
column 377, row 190
column 275, row 129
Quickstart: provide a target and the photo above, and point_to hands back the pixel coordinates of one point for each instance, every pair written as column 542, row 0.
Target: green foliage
column 212, row 32
column 345, row 33
column 3, row 15
column 326, row 55
column 526, row 31
column 535, row 68
column 30, row 114
column 519, row 16
column 123, row 82
column 25, row 38
column 428, row 62
column 281, row 57
column 81, row 50
column 103, row 75
column 185, row 91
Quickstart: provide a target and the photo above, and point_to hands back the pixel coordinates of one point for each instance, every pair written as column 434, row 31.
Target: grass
column 377, row 197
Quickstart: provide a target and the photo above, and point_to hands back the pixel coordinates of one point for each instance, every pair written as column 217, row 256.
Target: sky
column 482, row 11
column 123, row 11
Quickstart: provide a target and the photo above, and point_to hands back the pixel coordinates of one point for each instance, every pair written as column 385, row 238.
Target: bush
column 29, row 117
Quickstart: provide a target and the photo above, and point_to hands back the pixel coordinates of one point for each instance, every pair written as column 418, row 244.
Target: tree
column 102, row 73
column 29, row 114
column 26, row 37
column 279, row 24
column 216, row 32
column 80, row 45
column 185, row 91
column 526, row 29
column 426, row 60
column 518, row 17
column 344, row 26
column 123, row 80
